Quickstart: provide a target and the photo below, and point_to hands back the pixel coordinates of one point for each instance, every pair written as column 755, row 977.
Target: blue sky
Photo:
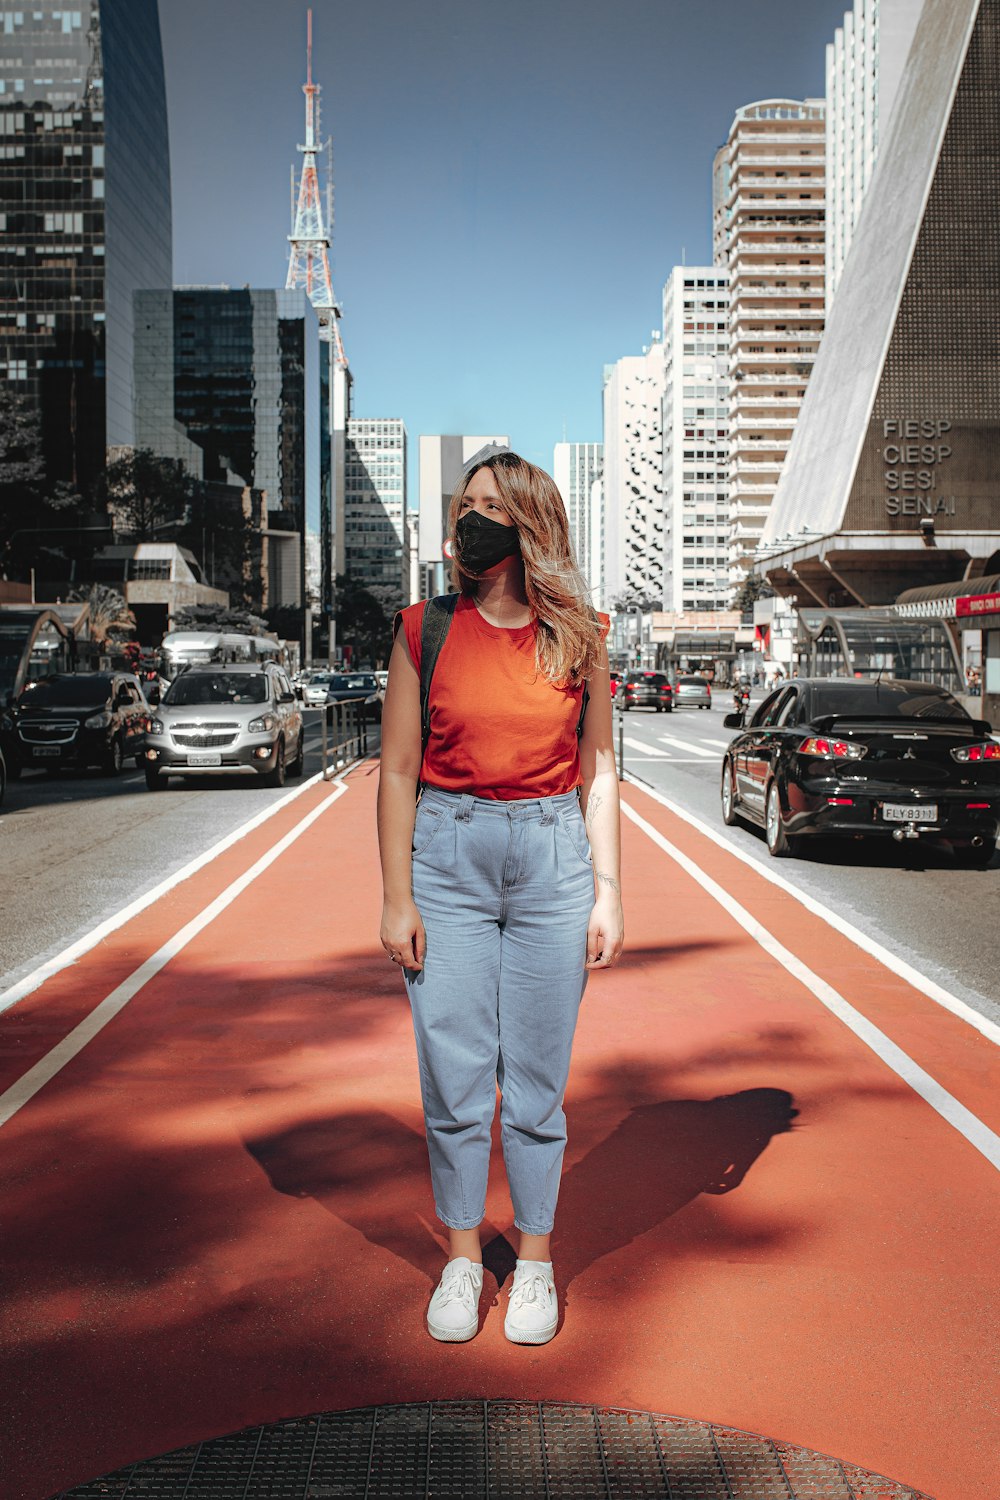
column 514, row 179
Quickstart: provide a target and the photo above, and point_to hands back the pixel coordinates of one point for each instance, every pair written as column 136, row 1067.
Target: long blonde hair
column 569, row 633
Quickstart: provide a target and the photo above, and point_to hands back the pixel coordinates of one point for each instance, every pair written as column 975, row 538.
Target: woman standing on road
column 489, row 891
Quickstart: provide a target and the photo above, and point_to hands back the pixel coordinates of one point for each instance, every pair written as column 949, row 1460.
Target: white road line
column 669, row 739
column 885, row 956
column 946, row 1105
column 26, row 1087
column 97, row 934
column 645, row 749
column 721, row 744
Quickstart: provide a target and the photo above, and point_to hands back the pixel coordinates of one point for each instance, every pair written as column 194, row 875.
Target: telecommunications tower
column 309, row 261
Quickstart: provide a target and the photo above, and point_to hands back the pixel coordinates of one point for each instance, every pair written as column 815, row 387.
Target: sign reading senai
column 912, row 463
column 912, row 468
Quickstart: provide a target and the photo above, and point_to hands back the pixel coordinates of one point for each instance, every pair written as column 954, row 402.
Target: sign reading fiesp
column 912, row 452
column 978, row 604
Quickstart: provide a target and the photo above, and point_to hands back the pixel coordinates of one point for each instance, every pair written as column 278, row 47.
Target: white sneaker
column 533, row 1308
column 453, row 1314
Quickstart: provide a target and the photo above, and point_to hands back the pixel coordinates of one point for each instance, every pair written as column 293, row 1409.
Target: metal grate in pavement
column 492, row 1450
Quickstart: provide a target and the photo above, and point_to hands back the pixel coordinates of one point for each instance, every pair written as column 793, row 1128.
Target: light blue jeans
column 505, row 890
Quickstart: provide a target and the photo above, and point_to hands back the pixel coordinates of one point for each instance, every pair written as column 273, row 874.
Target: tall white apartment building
column 633, row 477
column 770, row 203
column 442, row 459
column 695, row 426
column 577, row 469
column 864, row 65
column 375, row 530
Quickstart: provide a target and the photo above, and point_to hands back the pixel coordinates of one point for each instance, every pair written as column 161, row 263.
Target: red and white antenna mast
column 309, row 262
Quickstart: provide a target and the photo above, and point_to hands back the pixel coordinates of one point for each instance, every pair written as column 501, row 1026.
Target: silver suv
column 222, row 719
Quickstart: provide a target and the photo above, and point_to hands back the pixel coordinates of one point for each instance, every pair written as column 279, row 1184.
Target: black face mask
column 482, row 542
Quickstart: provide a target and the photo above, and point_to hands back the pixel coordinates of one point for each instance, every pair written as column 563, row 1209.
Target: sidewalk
column 218, row 1212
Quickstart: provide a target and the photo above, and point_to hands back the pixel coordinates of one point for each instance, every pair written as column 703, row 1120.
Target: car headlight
column 98, row 721
column 263, row 725
column 154, row 726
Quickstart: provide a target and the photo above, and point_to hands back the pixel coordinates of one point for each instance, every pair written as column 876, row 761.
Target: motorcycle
column 741, row 699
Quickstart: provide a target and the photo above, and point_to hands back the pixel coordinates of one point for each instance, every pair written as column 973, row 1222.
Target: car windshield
column 359, row 680
column 886, row 700
column 690, row 682
column 67, row 692
column 217, row 687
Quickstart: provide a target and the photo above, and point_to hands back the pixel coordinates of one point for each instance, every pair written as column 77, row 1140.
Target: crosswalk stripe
column 646, row 749
column 668, row 739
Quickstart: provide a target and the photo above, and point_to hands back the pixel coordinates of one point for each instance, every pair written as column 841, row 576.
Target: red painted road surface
column 218, row 1213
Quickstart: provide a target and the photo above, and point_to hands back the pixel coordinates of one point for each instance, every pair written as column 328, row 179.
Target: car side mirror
column 286, row 697
column 734, row 721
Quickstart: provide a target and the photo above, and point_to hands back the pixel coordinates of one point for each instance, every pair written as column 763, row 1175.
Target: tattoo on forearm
column 609, row 880
column 593, row 803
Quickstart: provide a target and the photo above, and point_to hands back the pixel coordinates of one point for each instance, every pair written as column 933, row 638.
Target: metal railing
column 347, row 731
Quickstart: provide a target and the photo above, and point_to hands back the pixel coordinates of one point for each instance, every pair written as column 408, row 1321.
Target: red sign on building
column 978, row 604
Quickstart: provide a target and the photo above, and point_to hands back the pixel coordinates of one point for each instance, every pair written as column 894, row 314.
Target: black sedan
column 864, row 758
column 355, row 687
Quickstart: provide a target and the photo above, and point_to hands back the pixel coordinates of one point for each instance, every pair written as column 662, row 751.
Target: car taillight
column 665, row 692
column 989, row 750
column 630, row 687
column 832, row 749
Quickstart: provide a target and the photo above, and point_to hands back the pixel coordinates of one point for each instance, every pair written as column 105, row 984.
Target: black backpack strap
column 438, row 615
column 584, row 700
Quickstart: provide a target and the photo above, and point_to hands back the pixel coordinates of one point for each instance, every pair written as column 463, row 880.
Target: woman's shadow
column 370, row 1170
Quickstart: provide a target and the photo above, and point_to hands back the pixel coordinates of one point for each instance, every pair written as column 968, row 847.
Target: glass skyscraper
column 232, row 382
column 84, row 213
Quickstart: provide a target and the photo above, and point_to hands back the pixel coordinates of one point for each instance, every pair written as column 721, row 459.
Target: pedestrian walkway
column 777, row 1212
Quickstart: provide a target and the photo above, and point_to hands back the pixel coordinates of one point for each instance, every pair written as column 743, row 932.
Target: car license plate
column 910, row 812
column 205, row 759
column 47, row 750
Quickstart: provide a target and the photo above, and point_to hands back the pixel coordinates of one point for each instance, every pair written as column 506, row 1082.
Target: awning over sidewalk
column 714, row 643
column 967, row 600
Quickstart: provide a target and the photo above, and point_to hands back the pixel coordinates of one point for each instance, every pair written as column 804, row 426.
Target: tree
column 147, row 496
column 40, row 523
column 218, row 617
column 108, row 615
column 629, row 600
column 752, row 588
column 362, row 623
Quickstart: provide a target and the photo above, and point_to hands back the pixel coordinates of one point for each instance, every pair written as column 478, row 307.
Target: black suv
column 647, row 690
column 78, row 719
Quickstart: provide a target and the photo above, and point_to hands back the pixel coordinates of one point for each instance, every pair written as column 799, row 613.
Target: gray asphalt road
column 77, row 847
column 941, row 919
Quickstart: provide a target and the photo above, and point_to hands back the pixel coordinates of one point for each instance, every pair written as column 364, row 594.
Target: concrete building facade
column 634, row 527
column 891, row 479
column 695, row 427
column 376, row 546
column 577, row 469
column 769, row 197
column 864, row 65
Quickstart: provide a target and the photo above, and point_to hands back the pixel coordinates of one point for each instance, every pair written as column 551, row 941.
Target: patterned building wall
column 932, row 448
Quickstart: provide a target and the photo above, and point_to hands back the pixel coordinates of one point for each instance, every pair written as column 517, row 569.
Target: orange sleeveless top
column 499, row 728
